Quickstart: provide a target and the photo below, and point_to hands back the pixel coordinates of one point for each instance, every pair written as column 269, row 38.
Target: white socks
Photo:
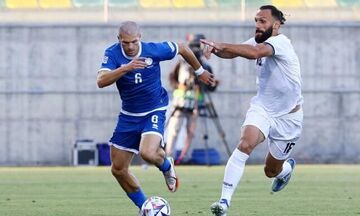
column 233, row 171
column 286, row 169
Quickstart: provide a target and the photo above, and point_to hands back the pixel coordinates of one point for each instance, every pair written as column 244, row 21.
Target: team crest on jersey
column 148, row 61
column 105, row 59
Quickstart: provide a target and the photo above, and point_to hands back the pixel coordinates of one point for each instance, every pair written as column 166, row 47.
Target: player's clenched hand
column 207, row 78
column 136, row 63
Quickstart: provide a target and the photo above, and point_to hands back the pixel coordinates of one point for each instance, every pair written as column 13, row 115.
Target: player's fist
column 207, row 78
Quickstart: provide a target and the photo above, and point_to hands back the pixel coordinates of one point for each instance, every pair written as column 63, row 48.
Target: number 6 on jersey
column 138, row 78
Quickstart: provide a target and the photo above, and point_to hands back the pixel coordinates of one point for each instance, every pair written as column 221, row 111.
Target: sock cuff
column 285, row 170
column 165, row 166
column 135, row 193
column 238, row 158
column 138, row 197
column 241, row 156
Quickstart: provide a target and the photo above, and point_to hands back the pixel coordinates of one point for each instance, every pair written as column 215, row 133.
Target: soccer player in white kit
column 275, row 112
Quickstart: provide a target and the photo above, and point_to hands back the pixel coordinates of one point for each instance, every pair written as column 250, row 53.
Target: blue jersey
column 141, row 90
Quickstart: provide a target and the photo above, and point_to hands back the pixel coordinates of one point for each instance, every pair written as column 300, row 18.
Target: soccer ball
column 155, row 206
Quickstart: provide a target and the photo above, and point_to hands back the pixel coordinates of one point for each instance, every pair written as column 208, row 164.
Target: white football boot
column 220, row 208
column 171, row 179
column 279, row 184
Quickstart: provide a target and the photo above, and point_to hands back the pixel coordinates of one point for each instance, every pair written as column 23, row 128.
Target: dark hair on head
column 276, row 13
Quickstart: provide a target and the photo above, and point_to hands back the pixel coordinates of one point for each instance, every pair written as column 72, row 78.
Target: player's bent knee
column 119, row 172
column 244, row 146
column 147, row 156
column 270, row 172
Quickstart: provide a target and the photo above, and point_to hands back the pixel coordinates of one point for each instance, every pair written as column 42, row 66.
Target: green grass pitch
column 314, row 190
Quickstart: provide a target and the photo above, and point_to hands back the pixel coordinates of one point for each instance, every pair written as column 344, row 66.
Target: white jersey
column 278, row 78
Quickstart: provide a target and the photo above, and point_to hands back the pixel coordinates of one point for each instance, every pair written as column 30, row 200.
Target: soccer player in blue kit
column 134, row 66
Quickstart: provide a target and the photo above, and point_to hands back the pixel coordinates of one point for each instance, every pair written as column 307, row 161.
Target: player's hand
column 210, row 47
column 136, row 63
column 207, row 51
column 207, row 78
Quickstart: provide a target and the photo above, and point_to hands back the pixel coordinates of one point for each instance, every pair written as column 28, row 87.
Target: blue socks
column 165, row 166
column 138, row 198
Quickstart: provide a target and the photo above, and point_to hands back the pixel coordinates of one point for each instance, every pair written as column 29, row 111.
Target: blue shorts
column 129, row 129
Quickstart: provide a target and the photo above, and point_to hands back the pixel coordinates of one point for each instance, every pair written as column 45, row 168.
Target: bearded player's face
column 264, row 23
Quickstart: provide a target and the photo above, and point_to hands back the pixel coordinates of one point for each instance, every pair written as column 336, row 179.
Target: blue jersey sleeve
column 108, row 62
column 165, row 50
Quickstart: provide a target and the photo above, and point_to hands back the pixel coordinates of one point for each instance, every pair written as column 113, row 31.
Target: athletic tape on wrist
column 199, row 71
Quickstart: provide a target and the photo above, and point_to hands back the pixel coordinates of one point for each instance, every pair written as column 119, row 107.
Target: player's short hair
column 129, row 27
column 276, row 13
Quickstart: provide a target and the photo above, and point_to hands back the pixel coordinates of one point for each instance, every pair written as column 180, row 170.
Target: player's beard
column 264, row 36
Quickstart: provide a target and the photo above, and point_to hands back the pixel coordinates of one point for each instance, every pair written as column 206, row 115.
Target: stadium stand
column 189, row 3
column 256, row 3
column 123, row 3
column 211, row 3
column 155, row 3
column 349, row 3
column 229, row 3
column 18, row 4
column 320, row 3
column 88, row 3
column 55, row 4
column 289, row 4
column 177, row 4
column 93, row 11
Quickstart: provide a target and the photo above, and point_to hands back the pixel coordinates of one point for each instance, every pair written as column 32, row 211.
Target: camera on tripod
column 191, row 99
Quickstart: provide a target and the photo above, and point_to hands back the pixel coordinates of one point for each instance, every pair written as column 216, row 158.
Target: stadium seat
column 123, row 3
column 289, row 4
column 55, row 4
column 349, row 3
column 21, row 4
column 189, row 3
column 229, row 3
column 320, row 3
column 211, row 3
column 88, row 3
column 257, row 3
column 156, row 3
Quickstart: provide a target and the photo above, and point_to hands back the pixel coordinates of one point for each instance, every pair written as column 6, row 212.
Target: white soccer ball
column 155, row 206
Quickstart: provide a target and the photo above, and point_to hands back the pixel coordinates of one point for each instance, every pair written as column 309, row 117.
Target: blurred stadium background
column 50, row 51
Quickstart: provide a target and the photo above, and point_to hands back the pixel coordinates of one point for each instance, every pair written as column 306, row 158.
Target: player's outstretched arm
column 203, row 75
column 212, row 47
column 106, row 77
column 226, row 50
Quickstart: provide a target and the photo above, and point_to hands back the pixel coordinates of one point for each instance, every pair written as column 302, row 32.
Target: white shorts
column 282, row 132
